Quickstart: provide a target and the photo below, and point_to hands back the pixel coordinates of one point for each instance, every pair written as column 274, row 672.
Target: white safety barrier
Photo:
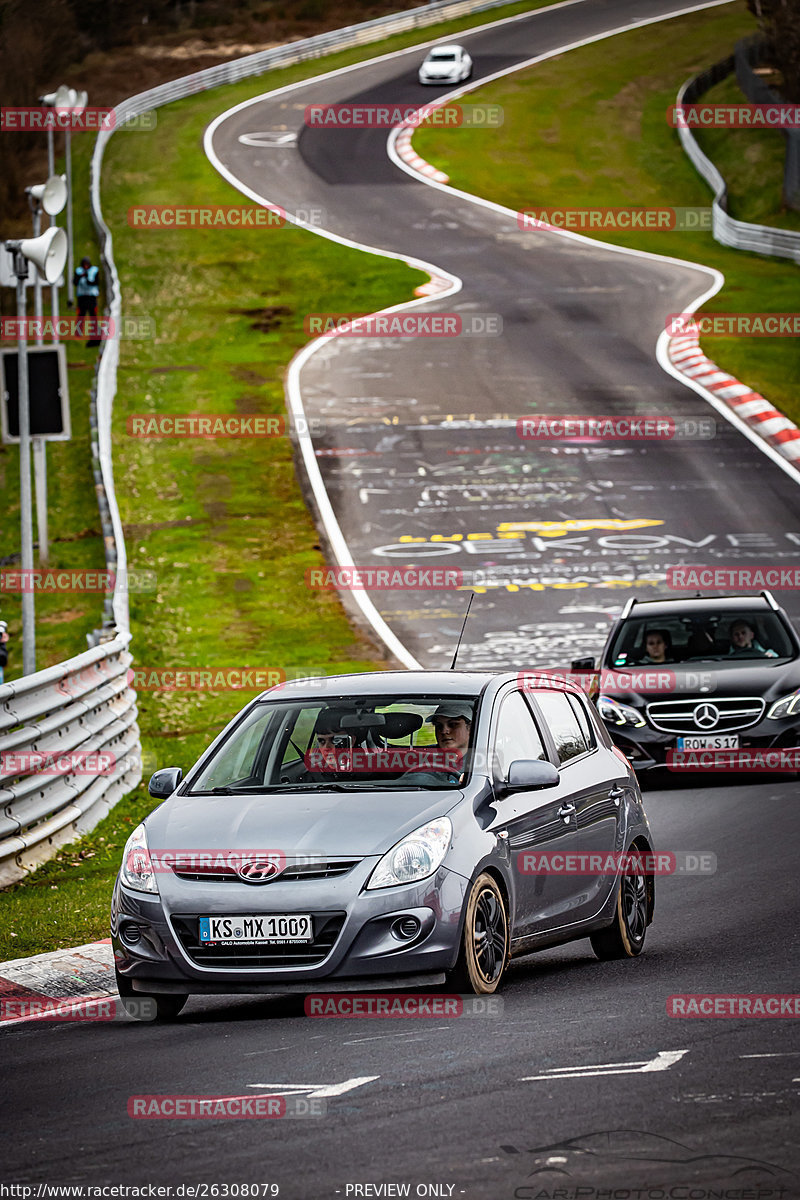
column 69, row 749
column 740, row 235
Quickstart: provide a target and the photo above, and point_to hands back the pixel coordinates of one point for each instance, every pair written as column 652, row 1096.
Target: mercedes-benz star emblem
column 254, row 870
column 706, row 716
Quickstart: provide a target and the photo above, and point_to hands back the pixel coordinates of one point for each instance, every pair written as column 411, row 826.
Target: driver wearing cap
column 451, row 721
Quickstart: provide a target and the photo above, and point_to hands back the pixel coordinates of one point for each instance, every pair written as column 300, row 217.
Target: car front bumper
column 156, row 947
column 647, row 748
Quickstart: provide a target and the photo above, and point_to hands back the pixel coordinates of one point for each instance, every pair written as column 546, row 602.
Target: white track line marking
column 662, row 1062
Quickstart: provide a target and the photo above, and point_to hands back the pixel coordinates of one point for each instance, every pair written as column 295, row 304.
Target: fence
column 741, row 235
column 80, row 707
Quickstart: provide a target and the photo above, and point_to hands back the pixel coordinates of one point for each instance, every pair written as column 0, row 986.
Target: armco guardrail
column 740, row 235
column 77, row 708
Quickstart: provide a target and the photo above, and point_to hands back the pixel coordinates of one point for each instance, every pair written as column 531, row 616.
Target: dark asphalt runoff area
column 582, row 1086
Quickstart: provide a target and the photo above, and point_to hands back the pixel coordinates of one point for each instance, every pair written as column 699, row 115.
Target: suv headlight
column 619, row 714
column 416, row 857
column 787, row 706
column 137, row 868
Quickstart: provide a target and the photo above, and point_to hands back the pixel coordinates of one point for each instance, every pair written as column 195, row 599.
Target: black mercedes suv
column 707, row 673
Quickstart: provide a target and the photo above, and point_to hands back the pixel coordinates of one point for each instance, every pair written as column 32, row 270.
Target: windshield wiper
column 234, row 791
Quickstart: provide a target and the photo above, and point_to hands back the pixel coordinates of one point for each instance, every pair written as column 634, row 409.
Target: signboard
column 48, row 390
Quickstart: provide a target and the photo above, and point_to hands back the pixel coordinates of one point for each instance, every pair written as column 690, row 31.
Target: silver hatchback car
column 384, row 830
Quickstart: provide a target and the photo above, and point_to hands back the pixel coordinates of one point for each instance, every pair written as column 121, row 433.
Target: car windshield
column 701, row 637
column 442, row 56
column 340, row 743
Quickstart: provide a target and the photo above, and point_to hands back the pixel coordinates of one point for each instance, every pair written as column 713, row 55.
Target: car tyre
column 485, row 941
column 145, row 1006
column 624, row 937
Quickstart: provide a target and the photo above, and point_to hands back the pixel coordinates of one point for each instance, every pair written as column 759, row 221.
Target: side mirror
column 529, row 774
column 582, row 664
column 164, row 782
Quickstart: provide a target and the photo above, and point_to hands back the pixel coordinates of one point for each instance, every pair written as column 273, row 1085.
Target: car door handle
column 566, row 811
column 616, row 795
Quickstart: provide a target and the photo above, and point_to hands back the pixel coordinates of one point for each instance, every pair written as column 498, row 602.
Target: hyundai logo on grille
column 254, row 870
column 706, row 716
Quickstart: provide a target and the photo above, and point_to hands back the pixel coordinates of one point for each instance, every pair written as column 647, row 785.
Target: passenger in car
column 743, row 641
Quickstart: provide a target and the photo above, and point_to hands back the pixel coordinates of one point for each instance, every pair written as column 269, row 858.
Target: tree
column 779, row 22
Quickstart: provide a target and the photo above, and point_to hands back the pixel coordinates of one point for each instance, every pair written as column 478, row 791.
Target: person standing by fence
column 3, row 651
column 87, row 291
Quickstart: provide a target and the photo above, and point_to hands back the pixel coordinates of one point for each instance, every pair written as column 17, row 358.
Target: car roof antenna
column 460, row 636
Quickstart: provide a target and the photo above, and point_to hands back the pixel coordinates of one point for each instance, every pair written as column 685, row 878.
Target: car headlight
column 416, row 857
column 787, row 706
column 137, row 868
column 619, row 714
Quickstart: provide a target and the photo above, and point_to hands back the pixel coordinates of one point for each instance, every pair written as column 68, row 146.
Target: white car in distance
column 446, row 64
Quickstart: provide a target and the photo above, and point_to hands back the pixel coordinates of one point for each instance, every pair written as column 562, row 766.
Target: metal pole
column 40, row 480
column 70, row 268
column 51, row 170
column 37, row 283
column 26, row 522
column 51, row 162
column 39, row 445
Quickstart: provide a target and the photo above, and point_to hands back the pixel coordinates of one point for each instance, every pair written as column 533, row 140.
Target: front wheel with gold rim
column 484, row 941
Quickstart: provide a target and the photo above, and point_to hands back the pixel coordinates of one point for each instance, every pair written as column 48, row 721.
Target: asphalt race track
column 420, row 436
column 451, row 1101
column 582, row 1081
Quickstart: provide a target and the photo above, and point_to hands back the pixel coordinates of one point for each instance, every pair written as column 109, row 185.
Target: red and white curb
column 57, row 984
column 410, row 157
column 758, row 414
column 434, row 286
